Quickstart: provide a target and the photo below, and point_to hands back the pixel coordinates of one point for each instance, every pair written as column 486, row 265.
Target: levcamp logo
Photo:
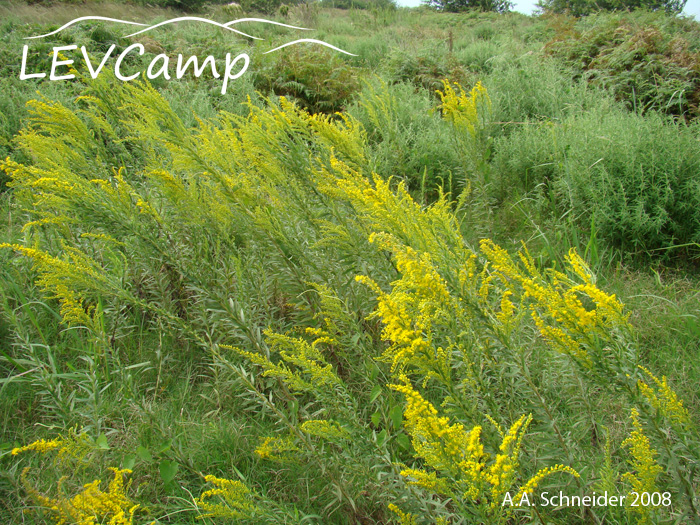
column 161, row 65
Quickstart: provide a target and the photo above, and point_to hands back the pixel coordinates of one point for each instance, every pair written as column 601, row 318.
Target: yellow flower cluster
column 417, row 301
column 502, row 472
column 646, row 469
column 324, row 428
column 382, row 206
column 405, row 518
column 235, row 500
column 310, row 372
column 91, row 506
column 444, row 447
column 465, row 110
column 73, row 445
column 41, row 446
column 277, row 449
column 428, row 480
column 66, row 278
column 418, row 269
column 468, row 472
column 506, row 316
column 663, row 399
column 557, row 303
column 535, row 480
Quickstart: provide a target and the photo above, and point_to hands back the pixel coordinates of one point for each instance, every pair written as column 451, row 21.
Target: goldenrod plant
column 352, row 356
column 90, row 505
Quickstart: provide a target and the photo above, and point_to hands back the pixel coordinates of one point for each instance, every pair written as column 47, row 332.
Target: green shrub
column 407, row 138
column 479, row 56
column 647, row 61
column 359, row 4
column 317, row 79
column 455, row 6
column 426, row 68
column 586, row 7
column 635, row 178
column 266, row 7
column 534, row 88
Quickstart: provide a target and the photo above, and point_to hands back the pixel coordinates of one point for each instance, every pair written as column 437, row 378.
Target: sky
column 692, row 7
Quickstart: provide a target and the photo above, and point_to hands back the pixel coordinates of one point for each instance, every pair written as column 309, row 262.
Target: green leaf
column 165, row 446
column 144, row 454
column 168, row 470
column 396, row 415
column 404, row 442
column 375, row 393
column 129, row 461
column 381, row 438
column 101, row 442
column 376, row 418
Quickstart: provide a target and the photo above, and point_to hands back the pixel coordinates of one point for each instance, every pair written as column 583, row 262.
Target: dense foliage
column 649, row 62
column 455, row 6
column 428, row 283
column 359, row 4
column 586, row 7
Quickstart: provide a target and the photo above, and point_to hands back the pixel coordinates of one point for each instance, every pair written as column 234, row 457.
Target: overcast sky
column 692, row 7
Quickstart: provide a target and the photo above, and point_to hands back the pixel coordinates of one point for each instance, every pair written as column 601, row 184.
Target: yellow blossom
column 42, row 446
column 277, row 449
column 535, row 480
column 663, row 399
column 405, row 518
column 91, row 506
column 646, row 469
column 325, row 429
column 235, row 500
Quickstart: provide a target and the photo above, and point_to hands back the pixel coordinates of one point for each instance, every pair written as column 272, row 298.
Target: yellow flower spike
column 418, row 301
column 643, row 462
column 506, row 316
column 569, row 315
column 302, row 367
column 663, row 399
column 534, row 481
column 233, row 500
column 91, row 505
column 405, row 518
column 561, row 341
column 73, row 445
column 277, row 449
column 41, row 446
column 444, row 447
column 502, row 472
column 66, row 278
column 465, row 111
column 324, row 428
column 579, row 266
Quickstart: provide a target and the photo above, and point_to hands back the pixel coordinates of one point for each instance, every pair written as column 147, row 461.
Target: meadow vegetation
column 398, row 287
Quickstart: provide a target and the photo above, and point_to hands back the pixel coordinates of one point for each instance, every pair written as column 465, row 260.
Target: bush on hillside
column 359, row 4
column 455, row 6
column 646, row 62
column 586, row 7
column 317, row 79
column 426, row 69
column 633, row 177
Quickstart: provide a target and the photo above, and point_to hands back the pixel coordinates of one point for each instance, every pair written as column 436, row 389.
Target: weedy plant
column 390, row 369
